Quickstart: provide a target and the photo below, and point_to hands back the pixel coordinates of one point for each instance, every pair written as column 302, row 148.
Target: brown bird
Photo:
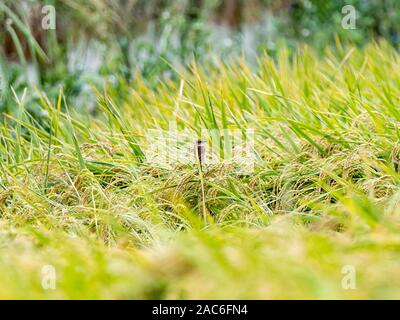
column 200, row 152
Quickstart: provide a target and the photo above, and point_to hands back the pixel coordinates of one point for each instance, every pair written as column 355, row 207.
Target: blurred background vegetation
column 113, row 41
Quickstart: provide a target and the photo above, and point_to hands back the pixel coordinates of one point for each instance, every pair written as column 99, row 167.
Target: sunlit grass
column 84, row 194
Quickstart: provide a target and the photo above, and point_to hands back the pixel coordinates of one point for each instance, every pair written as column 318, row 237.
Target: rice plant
column 100, row 202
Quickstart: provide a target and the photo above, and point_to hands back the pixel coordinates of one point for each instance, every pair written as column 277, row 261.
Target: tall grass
column 84, row 194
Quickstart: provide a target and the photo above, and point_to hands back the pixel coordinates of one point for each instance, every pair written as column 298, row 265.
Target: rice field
column 97, row 205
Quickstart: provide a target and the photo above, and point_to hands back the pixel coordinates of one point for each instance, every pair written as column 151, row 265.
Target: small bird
column 200, row 152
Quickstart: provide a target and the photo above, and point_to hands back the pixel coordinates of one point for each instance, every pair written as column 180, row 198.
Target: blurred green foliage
column 149, row 37
column 317, row 20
